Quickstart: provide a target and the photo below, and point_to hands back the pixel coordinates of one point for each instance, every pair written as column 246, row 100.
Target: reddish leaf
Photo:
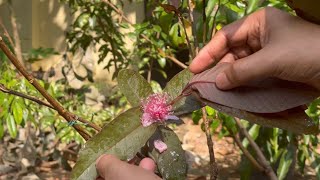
column 267, row 96
column 169, row 8
column 294, row 120
column 175, row 3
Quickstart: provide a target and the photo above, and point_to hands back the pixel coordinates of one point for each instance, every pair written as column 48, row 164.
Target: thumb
column 254, row 67
column 110, row 167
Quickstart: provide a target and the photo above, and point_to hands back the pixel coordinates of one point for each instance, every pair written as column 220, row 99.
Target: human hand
column 111, row 168
column 267, row 43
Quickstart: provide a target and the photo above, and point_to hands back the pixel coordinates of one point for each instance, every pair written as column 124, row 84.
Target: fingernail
column 222, row 81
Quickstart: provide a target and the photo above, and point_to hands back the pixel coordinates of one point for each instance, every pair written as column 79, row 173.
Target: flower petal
column 160, row 145
column 173, row 117
column 146, row 120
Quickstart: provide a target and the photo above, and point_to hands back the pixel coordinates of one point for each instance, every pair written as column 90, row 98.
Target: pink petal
column 146, row 120
column 160, row 146
column 173, row 117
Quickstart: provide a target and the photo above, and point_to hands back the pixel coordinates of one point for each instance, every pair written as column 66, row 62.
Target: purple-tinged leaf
column 266, row 96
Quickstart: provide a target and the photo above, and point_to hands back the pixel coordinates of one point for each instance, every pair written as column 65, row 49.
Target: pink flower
column 156, row 109
column 160, row 145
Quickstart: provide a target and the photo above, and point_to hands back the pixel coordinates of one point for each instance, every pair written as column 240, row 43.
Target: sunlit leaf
column 253, row 132
column 174, row 88
column 285, row 163
column 123, row 137
column 252, row 5
column 133, row 86
column 17, row 112
column 11, row 124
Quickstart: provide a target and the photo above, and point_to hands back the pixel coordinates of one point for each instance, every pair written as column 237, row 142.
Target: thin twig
column 246, row 152
column 175, row 60
column 6, row 33
column 204, row 18
column 261, row 158
column 192, row 53
column 191, row 18
column 4, row 89
column 213, row 164
column 150, row 71
column 214, row 26
column 69, row 117
column 121, row 13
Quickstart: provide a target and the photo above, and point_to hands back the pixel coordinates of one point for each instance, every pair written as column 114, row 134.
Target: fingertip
column 103, row 163
column 148, row 164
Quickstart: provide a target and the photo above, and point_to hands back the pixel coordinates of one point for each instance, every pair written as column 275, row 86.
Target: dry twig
column 213, row 164
column 261, row 158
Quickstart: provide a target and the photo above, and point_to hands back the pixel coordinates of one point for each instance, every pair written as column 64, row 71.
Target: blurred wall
column 43, row 23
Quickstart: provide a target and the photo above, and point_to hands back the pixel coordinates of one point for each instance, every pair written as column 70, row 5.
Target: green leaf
column 11, row 124
column 171, row 163
column 210, row 111
column 196, row 116
column 174, row 88
column 285, row 163
column 133, row 86
column 17, row 112
column 123, row 137
column 254, row 133
column 215, row 124
column 252, row 5
column 177, row 36
column 210, row 7
column 162, row 62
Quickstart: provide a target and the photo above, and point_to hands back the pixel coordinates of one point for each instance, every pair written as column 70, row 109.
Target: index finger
column 210, row 53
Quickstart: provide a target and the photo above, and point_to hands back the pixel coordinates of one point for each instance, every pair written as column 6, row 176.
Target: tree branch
column 213, row 164
column 204, row 18
column 216, row 10
column 246, row 152
column 175, row 60
column 69, row 117
column 5, row 32
column 192, row 53
column 262, row 159
column 4, row 89
column 191, row 18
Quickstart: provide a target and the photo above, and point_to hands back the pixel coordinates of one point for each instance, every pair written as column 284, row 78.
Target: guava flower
column 156, row 109
column 160, row 145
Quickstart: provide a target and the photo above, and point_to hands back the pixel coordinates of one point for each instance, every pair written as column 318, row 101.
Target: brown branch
column 69, row 117
column 204, row 19
column 262, row 159
column 191, row 18
column 175, row 60
column 121, row 13
column 6, row 33
column 4, row 89
column 192, row 53
column 213, row 164
column 214, row 27
column 246, row 152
